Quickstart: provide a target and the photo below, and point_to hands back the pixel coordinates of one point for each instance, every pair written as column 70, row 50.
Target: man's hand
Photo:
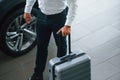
column 65, row 30
column 27, row 17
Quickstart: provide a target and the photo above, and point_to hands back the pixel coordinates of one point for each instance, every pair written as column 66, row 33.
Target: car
column 16, row 36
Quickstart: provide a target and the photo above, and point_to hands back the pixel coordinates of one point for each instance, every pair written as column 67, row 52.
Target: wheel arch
column 18, row 6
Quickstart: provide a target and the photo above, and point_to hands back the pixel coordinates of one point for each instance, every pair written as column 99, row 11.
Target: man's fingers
column 61, row 31
column 58, row 31
column 27, row 20
column 27, row 17
column 64, row 30
column 64, row 33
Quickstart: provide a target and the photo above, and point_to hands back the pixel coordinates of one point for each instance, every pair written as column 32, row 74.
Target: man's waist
column 50, row 10
column 62, row 12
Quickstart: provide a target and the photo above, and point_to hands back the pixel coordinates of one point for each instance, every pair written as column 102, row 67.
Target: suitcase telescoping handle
column 69, row 42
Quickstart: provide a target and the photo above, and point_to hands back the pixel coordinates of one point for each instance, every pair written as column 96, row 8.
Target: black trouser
column 46, row 24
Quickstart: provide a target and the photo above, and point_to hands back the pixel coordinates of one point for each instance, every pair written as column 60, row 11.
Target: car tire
column 9, row 46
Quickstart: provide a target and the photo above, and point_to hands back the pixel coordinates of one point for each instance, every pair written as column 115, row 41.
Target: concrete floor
column 96, row 31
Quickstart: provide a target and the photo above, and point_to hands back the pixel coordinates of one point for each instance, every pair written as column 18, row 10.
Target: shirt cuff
column 68, row 23
column 28, row 9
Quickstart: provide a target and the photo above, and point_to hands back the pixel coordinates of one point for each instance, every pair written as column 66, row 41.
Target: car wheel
column 18, row 38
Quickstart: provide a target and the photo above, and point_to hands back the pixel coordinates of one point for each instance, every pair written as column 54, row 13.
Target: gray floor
column 96, row 31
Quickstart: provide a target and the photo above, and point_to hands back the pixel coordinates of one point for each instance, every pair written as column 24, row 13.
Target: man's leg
column 61, row 45
column 59, row 39
column 58, row 23
column 43, row 37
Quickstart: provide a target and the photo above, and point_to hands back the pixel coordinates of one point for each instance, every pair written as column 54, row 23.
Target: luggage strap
column 63, row 60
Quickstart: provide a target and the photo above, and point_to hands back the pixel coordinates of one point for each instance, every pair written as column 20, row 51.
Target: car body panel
column 5, row 9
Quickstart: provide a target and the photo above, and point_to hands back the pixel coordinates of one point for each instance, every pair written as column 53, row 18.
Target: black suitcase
column 74, row 66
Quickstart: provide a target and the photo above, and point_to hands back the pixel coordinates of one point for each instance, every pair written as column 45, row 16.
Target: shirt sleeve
column 71, row 12
column 29, row 5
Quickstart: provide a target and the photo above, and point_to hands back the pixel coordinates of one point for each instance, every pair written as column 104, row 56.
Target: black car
column 16, row 37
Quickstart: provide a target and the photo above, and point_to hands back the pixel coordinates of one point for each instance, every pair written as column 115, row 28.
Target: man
column 53, row 17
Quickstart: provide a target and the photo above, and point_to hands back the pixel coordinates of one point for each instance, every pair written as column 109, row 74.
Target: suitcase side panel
column 71, row 63
column 52, row 62
column 63, row 70
column 77, row 72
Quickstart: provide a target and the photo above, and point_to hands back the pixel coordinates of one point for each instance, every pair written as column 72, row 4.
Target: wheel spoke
column 11, row 44
column 28, row 24
column 31, row 39
column 12, row 37
column 23, row 26
column 17, row 23
column 33, row 34
column 21, row 18
column 20, row 42
column 17, row 43
column 11, row 33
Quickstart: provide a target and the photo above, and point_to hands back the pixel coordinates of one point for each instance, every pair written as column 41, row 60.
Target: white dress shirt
column 50, row 7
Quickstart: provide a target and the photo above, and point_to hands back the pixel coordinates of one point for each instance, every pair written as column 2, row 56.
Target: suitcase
column 74, row 66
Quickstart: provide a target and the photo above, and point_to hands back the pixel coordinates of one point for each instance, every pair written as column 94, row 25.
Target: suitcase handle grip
column 70, row 57
column 69, row 42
